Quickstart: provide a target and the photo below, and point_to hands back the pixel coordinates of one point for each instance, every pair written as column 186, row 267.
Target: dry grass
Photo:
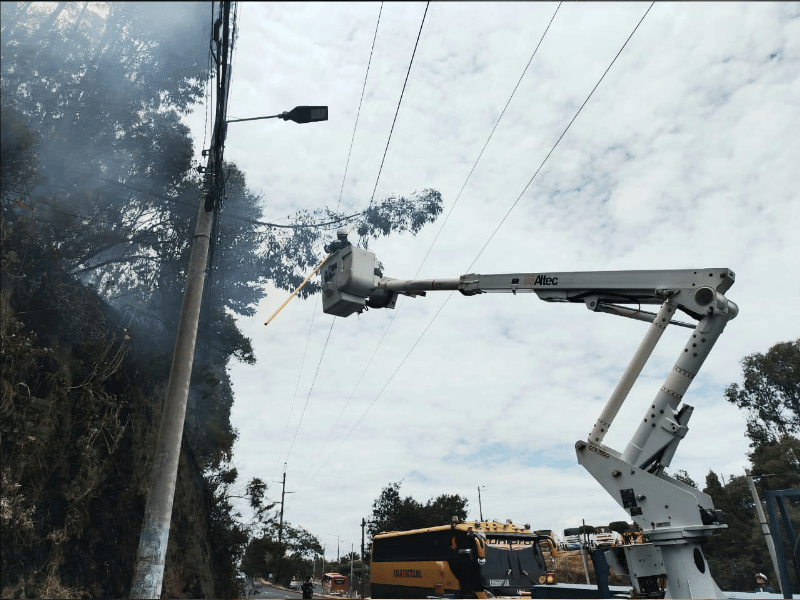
column 569, row 569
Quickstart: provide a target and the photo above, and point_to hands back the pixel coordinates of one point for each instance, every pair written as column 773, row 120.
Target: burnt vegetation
column 99, row 195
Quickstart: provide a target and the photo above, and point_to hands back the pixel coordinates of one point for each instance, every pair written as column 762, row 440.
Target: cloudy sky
column 685, row 156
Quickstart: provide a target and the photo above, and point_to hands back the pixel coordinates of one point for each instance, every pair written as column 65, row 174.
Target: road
column 270, row 591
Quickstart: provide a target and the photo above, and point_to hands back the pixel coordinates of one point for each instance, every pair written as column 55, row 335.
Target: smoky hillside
column 101, row 185
column 99, row 195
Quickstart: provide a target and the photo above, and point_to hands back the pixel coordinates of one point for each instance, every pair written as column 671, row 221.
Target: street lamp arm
column 252, row 119
column 299, row 114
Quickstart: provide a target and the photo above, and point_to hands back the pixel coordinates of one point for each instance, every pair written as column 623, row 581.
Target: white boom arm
column 676, row 517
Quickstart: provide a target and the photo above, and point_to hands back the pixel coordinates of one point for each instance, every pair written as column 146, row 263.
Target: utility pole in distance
column 151, row 554
column 280, row 525
column 363, row 557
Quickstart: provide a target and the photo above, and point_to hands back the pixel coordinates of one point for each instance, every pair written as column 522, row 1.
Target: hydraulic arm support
column 675, row 517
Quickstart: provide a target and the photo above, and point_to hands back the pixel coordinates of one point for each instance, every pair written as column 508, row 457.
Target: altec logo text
column 545, row 280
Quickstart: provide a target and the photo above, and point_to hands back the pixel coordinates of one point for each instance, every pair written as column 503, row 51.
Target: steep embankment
column 81, row 397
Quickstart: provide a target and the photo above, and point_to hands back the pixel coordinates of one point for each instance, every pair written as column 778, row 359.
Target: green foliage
column 740, row 551
column 228, row 537
column 391, row 513
column 780, row 461
column 770, row 392
column 20, row 161
column 284, row 556
column 683, row 476
column 398, row 213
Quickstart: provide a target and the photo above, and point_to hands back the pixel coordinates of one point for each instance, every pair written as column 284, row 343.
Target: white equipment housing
column 675, row 518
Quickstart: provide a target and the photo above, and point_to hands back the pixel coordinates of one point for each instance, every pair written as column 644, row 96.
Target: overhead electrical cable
column 358, row 113
column 503, row 112
column 411, row 62
column 397, row 309
column 344, row 177
column 398, row 104
column 563, row 133
column 438, row 312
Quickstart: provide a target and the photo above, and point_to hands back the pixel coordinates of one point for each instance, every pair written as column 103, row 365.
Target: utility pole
column 280, row 525
column 764, row 525
column 151, row 554
column 480, row 507
column 283, row 495
column 584, row 550
column 363, row 558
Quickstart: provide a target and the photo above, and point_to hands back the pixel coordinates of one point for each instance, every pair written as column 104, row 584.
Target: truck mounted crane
column 676, row 518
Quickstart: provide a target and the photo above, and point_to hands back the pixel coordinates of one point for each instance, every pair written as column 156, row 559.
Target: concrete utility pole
column 480, row 506
column 151, row 555
column 764, row 525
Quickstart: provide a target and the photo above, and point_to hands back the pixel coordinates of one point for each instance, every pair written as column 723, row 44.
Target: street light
column 299, row 114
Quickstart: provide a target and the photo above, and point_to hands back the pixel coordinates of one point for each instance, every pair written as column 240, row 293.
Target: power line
column 364, row 414
column 358, row 113
column 563, row 133
column 344, row 176
column 411, row 62
column 435, row 316
column 394, row 313
column 398, row 104
column 525, row 70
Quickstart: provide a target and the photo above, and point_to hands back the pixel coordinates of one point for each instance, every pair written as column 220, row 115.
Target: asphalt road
column 270, row 591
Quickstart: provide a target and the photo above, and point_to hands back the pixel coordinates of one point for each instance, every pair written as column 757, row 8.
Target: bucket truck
column 675, row 517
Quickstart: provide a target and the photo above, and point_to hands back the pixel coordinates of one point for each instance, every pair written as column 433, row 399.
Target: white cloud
column 684, row 157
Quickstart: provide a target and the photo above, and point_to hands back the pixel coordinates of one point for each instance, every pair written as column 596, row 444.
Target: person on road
column 762, row 584
column 307, row 588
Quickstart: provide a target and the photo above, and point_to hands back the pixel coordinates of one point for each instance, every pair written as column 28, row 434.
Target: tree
column 770, row 392
column 391, row 513
column 291, row 556
column 446, row 506
column 683, row 476
column 779, row 461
